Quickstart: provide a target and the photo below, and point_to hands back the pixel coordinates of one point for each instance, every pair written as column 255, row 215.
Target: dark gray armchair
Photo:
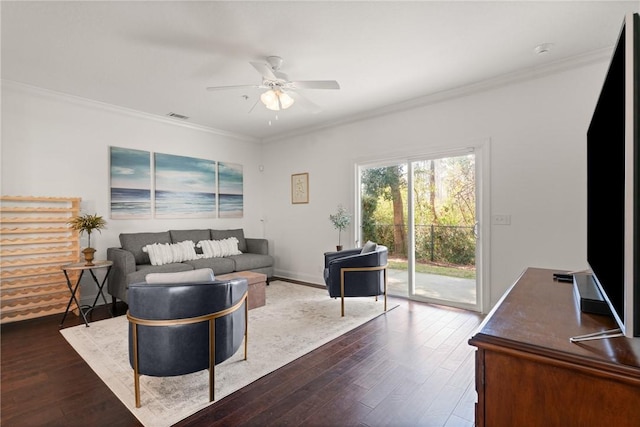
column 171, row 327
column 358, row 272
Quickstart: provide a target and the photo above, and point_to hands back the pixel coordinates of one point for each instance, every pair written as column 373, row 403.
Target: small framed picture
column 300, row 188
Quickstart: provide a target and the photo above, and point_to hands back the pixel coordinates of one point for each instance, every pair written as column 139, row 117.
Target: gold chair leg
column 246, row 328
column 342, row 291
column 212, row 358
column 136, row 375
column 385, row 289
column 137, row 388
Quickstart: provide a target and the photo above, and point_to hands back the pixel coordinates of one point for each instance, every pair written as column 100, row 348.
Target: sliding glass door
column 384, row 215
column 425, row 211
column 444, row 229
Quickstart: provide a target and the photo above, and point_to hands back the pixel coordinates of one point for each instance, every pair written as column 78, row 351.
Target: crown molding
column 78, row 100
column 532, row 73
column 527, row 74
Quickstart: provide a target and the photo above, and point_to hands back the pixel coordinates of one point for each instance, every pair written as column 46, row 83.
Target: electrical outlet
column 501, row 219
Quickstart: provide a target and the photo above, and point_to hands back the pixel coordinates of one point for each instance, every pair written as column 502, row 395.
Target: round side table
column 82, row 267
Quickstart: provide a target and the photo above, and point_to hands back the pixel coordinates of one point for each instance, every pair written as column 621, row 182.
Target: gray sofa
column 131, row 264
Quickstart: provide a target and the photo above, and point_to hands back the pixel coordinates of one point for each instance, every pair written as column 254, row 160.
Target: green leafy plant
column 86, row 223
column 340, row 220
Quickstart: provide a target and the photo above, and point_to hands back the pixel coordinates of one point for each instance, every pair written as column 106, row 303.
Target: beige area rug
column 296, row 320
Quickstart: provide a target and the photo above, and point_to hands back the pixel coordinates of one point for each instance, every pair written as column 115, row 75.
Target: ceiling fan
column 281, row 92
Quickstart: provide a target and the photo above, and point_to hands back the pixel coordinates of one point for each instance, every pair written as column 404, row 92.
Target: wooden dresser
column 529, row 374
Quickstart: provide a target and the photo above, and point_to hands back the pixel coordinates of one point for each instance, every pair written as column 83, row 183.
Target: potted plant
column 340, row 220
column 86, row 223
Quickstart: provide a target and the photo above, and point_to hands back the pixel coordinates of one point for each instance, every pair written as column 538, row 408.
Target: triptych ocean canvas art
column 182, row 187
column 130, row 183
column 230, row 190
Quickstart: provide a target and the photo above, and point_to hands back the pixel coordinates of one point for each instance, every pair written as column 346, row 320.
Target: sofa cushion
column 251, row 261
column 180, row 277
column 142, row 270
column 218, row 265
column 225, row 234
column 193, row 235
column 134, row 242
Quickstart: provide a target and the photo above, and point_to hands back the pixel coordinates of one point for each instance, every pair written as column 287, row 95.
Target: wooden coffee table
column 256, row 282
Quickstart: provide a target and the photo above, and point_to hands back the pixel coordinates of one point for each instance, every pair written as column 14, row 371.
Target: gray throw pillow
column 369, row 247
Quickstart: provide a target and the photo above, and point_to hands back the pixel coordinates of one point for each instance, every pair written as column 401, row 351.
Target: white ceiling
column 158, row 57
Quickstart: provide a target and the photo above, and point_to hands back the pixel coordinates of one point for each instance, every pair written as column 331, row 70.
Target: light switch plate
column 502, row 219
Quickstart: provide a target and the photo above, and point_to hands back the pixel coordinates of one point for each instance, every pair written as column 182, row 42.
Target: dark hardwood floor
column 410, row 367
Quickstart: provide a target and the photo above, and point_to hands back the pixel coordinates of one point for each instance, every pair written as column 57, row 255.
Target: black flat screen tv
column 613, row 184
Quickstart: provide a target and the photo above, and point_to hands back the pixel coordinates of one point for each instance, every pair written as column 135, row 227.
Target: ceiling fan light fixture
column 274, row 81
column 285, row 100
column 270, row 100
column 276, row 100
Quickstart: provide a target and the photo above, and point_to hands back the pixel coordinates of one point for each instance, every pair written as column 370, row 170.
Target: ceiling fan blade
column 234, row 87
column 315, row 84
column 254, row 106
column 264, row 70
column 304, row 102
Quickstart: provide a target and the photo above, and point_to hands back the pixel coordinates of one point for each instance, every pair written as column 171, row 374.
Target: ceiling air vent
column 178, row 116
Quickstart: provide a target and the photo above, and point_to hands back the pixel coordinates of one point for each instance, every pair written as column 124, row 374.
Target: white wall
column 537, row 130
column 58, row 146
column 54, row 145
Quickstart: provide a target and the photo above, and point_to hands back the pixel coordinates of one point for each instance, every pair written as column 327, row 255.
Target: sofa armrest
column 257, row 246
column 123, row 264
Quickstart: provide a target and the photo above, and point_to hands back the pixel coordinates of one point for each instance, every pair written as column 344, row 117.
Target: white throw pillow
column 199, row 275
column 230, row 246
column 219, row 248
column 166, row 253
